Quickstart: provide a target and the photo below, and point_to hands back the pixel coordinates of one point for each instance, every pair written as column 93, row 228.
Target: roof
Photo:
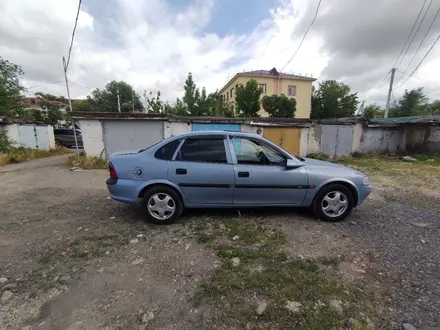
column 273, row 73
column 432, row 120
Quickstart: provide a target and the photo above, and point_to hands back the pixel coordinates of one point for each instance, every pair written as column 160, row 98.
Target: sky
column 153, row 44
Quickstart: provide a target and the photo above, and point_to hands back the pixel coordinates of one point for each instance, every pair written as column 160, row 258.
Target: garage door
column 287, row 138
column 130, row 135
column 215, row 127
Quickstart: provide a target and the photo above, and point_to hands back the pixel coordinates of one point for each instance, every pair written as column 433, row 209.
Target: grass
column 266, row 272
column 87, row 162
column 18, row 155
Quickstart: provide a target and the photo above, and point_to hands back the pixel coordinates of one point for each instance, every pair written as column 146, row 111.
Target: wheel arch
column 141, row 191
column 346, row 183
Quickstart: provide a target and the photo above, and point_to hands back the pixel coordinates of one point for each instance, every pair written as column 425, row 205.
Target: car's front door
column 203, row 169
column 261, row 175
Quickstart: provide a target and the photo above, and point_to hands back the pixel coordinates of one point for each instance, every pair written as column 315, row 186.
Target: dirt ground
column 71, row 258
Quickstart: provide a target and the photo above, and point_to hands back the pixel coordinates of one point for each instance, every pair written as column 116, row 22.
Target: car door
column 202, row 168
column 261, row 176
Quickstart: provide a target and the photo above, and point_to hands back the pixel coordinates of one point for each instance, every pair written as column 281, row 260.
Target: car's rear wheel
column 163, row 205
column 333, row 203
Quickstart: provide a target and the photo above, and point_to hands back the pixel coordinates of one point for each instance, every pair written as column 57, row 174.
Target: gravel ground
column 70, row 258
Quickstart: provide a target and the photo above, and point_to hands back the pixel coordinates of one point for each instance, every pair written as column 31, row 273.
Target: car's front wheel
column 163, row 205
column 333, row 203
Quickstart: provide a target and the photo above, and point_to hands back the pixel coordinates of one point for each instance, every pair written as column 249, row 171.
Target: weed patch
column 297, row 293
column 87, row 162
column 18, row 155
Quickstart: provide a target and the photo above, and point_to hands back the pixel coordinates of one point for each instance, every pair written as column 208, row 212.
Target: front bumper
column 364, row 191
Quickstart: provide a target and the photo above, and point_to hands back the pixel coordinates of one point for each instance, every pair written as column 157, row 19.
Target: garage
column 196, row 127
column 286, row 137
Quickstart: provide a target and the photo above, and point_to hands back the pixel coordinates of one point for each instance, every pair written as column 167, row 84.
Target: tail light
column 112, row 171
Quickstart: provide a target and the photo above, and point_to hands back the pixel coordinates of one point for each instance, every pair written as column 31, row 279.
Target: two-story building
column 274, row 82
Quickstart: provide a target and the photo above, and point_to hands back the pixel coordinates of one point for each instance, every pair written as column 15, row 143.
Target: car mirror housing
column 290, row 163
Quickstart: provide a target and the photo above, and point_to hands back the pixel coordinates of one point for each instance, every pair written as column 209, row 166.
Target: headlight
column 366, row 181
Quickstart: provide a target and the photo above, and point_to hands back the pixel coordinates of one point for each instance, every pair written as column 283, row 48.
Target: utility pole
column 145, row 101
column 390, row 90
column 119, row 100
column 70, row 105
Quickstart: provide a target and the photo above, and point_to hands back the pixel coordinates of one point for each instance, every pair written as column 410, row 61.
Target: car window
column 254, row 152
column 202, row 150
column 167, row 151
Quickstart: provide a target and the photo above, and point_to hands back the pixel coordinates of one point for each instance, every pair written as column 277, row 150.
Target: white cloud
column 151, row 46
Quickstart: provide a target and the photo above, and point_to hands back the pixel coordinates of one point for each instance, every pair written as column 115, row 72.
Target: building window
column 262, row 87
column 232, row 91
column 291, row 90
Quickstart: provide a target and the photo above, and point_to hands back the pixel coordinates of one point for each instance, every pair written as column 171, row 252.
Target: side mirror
column 290, row 163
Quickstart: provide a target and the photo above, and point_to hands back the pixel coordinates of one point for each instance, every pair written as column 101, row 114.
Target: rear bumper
column 123, row 190
column 364, row 191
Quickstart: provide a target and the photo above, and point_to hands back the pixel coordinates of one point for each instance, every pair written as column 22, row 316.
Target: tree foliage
column 247, row 98
column 10, row 88
column 279, row 106
column 106, row 100
column 333, row 99
column 434, row 108
column 373, row 111
column 412, row 103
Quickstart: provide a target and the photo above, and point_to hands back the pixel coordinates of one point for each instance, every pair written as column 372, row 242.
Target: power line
column 421, row 79
column 420, row 63
column 50, row 83
column 418, row 28
column 424, row 37
column 73, row 35
column 87, row 87
column 305, row 34
column 409, row 35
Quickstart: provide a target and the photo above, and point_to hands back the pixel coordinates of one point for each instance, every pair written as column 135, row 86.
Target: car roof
column 201, row 133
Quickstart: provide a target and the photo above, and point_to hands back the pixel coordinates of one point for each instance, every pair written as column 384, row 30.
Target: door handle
column 243, row 174
column 181, row 171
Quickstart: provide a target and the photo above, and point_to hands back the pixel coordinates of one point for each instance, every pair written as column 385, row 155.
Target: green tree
column 10, row 88
column 155, row 104
column 179, row 108
column 373, row 111
column 191, row 95
column 52, row 105
column 434, row 108
column 412, row 103
column 81, row 105
column 279, row 106
column 106, row 100
column 247, row 98
column 333, row 99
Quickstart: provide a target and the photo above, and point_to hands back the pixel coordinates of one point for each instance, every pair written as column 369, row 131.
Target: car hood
column 322, row 163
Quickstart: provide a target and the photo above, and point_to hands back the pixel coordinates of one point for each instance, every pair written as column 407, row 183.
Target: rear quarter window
column 167, row 151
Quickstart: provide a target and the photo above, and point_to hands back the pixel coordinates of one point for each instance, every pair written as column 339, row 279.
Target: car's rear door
column 202, row 168
column 261, row 175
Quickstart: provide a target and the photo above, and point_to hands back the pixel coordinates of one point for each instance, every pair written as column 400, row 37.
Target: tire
column 158, row 201
column 337, row 211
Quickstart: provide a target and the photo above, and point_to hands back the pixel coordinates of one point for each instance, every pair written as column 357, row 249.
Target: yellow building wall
column 303, row 92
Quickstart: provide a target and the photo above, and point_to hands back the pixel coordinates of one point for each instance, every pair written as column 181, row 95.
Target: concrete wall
column 175, row 128
column 423, row 139
column 120, row 135
column 92, row 137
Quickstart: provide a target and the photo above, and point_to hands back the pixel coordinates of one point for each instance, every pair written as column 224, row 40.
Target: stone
column 10, row 286
column 147, row 317
column 134, row 241
column 235, row 261
column 64, row 278
column 138, row 261
column 113, row 217
column 262, row 305
column 430, row 160
column 3, row 280
column 293, row 306
column 140, row 235
column 409, row 159
column 28, row 327
column 407, row 326
column 420, row 224
column 335, row 306
column 107, row 253
column 235, row 238
column 222, row 226
column 6, row 296
column 108, row 197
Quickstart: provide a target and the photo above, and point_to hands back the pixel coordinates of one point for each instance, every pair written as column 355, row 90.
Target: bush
column 5, row 143
column 318, row 155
